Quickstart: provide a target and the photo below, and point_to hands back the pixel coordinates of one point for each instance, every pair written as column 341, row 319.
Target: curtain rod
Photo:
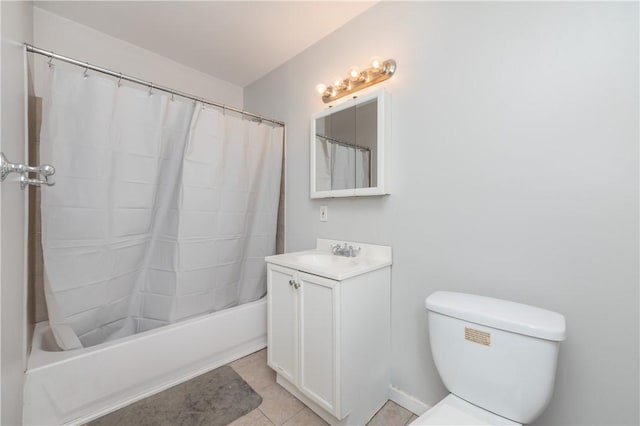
column 120, row 76
column 342, row 143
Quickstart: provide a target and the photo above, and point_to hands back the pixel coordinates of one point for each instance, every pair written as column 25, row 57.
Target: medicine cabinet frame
column 383, row 147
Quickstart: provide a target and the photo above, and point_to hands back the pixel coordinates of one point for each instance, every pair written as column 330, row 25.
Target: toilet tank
column 498, row 355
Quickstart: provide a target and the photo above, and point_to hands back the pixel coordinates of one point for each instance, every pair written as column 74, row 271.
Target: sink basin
column 323, row 262
column 322, row 259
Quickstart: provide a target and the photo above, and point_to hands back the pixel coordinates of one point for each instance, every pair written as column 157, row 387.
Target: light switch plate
column 324, row 214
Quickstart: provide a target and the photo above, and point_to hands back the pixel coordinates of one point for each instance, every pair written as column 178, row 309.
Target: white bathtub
column 71, row 387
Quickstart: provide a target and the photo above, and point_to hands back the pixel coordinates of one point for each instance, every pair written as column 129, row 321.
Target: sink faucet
column 346, row 250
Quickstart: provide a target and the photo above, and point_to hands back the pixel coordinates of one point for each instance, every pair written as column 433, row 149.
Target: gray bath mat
column 215, row 398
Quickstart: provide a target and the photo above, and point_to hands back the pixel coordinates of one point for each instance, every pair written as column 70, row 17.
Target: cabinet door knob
column 291, row 282
column 296, row 285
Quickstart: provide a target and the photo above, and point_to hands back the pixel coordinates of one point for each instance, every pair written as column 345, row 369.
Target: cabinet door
column 319, row 340
column 282, row 322
column 349, row 148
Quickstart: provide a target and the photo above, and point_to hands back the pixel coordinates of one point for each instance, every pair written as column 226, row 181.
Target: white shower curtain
column 362, row 168
column 343, row 171
column 162, row 210
column 349, row 167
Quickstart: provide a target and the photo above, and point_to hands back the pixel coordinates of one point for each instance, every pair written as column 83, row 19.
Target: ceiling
column 237, row 41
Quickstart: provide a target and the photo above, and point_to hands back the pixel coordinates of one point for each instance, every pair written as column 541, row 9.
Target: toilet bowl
column 497, row 358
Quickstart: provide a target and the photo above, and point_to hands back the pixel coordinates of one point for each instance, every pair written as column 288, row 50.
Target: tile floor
column 279, row 407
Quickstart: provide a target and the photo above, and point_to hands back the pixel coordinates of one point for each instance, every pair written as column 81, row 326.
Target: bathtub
column 76, row 386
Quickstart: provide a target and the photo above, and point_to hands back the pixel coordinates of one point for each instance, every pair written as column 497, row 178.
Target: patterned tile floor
column 279, row 407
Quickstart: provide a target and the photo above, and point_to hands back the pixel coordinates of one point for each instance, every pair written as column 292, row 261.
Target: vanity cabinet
column 303, row 333
column 329, row 339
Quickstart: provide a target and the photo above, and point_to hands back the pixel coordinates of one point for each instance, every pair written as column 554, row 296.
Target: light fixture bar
column 378, row 72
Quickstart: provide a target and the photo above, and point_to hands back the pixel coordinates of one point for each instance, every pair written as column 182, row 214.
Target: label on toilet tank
column 477, row 336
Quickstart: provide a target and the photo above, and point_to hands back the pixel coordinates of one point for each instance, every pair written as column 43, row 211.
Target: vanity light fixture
column 356, row 80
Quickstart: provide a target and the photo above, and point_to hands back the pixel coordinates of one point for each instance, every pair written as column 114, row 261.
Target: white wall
column 514, row 174
column 17, row 28
column 66, row 37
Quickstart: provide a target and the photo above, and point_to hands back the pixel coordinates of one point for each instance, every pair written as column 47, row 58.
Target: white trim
column 284, row 190
column 25, row 227
column 407, row 401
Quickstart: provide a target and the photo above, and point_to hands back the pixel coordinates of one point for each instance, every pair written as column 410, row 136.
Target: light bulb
column 354, row 73
column 338, row 83
column 321, row 88
column 376, row 63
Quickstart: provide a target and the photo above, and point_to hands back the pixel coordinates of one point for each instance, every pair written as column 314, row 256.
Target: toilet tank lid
column 500, row 314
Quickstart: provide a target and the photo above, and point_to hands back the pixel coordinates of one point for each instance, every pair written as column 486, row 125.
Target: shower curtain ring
column 86, row 70
column 50, row 62
column 172, row 98
column 151, row 89
column 120, row 80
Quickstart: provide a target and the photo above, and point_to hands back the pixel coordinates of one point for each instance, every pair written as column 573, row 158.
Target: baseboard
column 407, row 401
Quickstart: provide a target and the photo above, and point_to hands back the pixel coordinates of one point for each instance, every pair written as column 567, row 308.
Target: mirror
column 348, row 148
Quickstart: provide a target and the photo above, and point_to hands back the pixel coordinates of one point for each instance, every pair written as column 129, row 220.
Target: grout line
column 265, row 416
column 295, row 414
column 411, row 419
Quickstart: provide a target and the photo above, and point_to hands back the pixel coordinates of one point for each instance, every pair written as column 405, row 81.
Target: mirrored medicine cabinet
column 350, row 148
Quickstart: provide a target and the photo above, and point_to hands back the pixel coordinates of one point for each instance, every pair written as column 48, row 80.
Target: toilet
column 497, row 359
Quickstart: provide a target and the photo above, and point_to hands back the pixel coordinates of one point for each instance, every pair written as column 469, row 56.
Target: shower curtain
column 162, row 209
column 340, row 166
column 349, row 167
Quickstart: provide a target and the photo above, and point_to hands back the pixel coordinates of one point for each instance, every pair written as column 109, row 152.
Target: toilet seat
column 456, row 411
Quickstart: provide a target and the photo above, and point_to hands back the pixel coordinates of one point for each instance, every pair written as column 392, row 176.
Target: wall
column 58, row 34
column 514, row 175
column 17, row 28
